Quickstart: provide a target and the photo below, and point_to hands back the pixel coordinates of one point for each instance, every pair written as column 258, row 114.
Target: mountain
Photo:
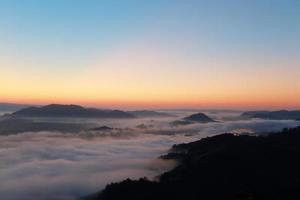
column 194, row 118
column 276, row 115
column 226, row 167
column 149, row 113
column 199, row 117
column 57, row 110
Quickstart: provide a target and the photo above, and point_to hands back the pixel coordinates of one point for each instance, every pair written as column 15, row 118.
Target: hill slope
column 223, row 167
column 198, row 117
column 57, row 110
column 194, row 118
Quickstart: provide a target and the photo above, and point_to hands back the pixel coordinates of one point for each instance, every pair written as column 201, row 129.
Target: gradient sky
column 151, row 53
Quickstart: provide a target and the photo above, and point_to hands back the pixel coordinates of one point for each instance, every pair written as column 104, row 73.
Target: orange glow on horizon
column 165, row 104
column 140, row 78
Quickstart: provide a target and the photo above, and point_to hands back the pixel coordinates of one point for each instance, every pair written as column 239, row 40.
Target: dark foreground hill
column 276, row 115
column 223, row 167
column 57, row 110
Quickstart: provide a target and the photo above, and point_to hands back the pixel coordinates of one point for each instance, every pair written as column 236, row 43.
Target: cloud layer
column 64, row 166
column 45, row 165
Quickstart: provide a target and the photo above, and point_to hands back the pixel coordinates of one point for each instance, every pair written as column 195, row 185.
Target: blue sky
column 58, row 37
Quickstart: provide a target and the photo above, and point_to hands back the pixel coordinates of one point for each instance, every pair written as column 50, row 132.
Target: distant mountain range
column 276, row 115
column 58, row 110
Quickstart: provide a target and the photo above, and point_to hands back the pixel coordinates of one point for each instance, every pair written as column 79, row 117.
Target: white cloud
column 63, row 166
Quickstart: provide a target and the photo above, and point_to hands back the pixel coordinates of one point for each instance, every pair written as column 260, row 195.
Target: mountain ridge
column 225, row 166
column 60, row 110
column 191, row 119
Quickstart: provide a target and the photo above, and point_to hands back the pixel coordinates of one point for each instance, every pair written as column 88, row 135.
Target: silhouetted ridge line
column 198, row 117
column 194, row 118
column 57, row 110
column 223, row 167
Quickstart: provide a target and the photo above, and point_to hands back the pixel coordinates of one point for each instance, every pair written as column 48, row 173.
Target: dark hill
column 223, row 167
column 276, row 115
column 194, row 118
column 57, row 110
column 198, row 117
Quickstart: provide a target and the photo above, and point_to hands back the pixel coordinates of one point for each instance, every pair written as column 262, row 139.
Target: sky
column 151, row 54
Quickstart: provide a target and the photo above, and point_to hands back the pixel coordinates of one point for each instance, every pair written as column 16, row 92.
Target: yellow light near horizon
column 137, row 80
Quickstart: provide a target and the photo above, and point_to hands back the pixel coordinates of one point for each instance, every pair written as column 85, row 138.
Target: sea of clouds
column 53, row 165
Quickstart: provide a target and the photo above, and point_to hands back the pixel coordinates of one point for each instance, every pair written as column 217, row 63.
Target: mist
column 47, row 165
column 56, row 165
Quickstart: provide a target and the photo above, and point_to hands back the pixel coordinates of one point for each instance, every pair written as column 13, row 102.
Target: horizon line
column 175, row 108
